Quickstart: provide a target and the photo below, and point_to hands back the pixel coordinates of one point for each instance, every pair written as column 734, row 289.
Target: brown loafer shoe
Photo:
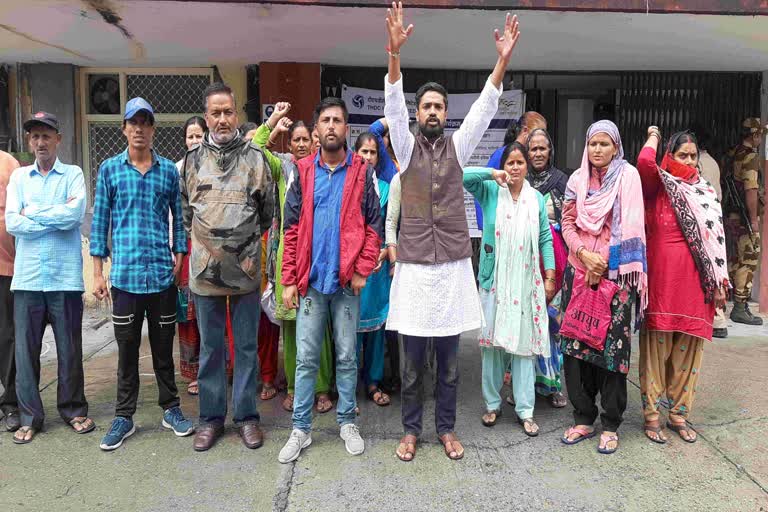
column 206, row 437
column 251, row 435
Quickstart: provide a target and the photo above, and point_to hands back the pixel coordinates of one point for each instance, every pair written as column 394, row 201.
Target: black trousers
column 33, row 311
column 584, row 382
column 128, row 313
column 8, row 402
column 412, row 395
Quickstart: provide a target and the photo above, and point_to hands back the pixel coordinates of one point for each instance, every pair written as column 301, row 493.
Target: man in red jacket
column 333, row 231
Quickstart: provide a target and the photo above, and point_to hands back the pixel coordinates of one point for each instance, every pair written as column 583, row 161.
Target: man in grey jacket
column 227, row 198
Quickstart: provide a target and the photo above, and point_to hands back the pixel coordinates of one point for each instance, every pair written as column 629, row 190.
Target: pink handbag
column 588, row 315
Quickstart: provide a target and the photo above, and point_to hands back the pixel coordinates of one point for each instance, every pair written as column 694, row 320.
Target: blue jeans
column 212, row 376
column 64, row 312
column 311, row 319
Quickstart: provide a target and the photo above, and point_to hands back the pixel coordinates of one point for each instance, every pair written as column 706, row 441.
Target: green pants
column 324, row 374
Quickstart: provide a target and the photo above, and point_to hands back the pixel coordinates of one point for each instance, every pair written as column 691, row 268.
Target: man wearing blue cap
column 135, row 190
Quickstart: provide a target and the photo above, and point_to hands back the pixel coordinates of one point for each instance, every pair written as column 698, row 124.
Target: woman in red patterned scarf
column 687, row 279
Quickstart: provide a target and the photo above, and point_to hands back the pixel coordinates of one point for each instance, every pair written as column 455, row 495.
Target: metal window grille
column 169, row 94
column 175, row 95
column 675, row 101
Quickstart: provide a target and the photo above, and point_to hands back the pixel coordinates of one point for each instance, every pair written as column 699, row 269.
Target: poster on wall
column 367, row 105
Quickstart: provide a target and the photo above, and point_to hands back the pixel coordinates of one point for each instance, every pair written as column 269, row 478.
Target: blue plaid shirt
column 49, row 254
column 137, row 207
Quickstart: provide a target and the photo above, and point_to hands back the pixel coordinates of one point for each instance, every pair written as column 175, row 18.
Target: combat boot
column 741, row 314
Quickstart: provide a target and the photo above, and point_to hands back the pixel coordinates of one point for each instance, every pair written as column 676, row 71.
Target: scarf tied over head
column 620, row 194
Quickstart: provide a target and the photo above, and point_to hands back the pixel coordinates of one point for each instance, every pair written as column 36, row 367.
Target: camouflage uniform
column 743, row 248
column 228, row 202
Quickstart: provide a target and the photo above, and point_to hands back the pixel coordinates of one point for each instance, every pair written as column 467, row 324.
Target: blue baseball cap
column 136, row 105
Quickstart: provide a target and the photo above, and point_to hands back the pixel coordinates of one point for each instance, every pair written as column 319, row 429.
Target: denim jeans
column 412, row 394
column 32, row 312
column 212, row 376
column 311, row 318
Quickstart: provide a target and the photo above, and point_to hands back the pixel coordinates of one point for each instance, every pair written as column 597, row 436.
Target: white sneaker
column 352, row 440
column 297, row 442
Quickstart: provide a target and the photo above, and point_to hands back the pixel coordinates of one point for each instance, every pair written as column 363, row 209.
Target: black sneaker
column 719, row 332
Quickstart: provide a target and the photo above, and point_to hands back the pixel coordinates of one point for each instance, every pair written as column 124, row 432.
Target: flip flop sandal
column 497, row 415
column 24, row 430
column 608, row 439
column 380, row 402
column 511, row 401
column 90, row 428
column 528, row 421
column 451, row 438
column 677, row 427
column 583, row 435
column 557, row 400
column 288, row 403
column 268, row 393
column 408, row 440
column 193, row 388
column 655, row 430
column 327, row 407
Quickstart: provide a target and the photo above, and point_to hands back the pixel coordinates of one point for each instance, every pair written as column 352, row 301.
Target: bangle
column 578, row 252
column 394, row 55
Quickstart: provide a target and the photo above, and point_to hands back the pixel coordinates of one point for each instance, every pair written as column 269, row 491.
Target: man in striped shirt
column 135, row 190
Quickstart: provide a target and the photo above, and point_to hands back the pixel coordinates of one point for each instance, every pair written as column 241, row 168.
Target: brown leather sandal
column 453, row 441
column 288, row 403
column 408, row 442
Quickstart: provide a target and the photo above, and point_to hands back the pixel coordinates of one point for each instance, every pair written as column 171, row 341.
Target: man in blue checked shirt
column 45, row 206
column 135, row 191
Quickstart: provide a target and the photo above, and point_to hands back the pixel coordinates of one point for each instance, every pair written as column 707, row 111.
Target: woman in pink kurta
column 686, row 277
column 604, row 230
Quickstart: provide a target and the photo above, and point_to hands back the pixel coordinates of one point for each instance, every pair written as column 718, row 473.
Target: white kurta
column 440, row 299
column 434, row 300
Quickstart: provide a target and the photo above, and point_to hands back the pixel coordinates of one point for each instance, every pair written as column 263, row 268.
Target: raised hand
column 281, row 110
column 506, row 42
column 283, row 125
column 398, row 33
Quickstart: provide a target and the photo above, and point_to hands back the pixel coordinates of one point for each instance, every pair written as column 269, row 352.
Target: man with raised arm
column 433, row 293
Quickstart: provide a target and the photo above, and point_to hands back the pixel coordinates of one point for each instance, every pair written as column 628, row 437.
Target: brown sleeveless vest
column 433, row 223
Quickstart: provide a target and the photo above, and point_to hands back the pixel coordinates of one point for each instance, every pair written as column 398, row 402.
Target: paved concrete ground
column 727, row 470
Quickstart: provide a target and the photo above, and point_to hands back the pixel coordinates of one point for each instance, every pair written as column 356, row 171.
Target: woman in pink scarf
column 604, row 228
column 688, row 277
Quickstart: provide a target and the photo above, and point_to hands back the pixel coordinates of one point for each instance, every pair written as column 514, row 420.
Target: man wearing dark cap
column 741, row 209
column 44, row 208
column 135, row 191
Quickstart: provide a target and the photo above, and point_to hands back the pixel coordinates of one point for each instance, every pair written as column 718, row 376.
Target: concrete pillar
column 294, row 82
column 761, row 277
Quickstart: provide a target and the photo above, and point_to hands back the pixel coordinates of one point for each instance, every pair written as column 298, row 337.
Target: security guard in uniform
column 741, row 184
